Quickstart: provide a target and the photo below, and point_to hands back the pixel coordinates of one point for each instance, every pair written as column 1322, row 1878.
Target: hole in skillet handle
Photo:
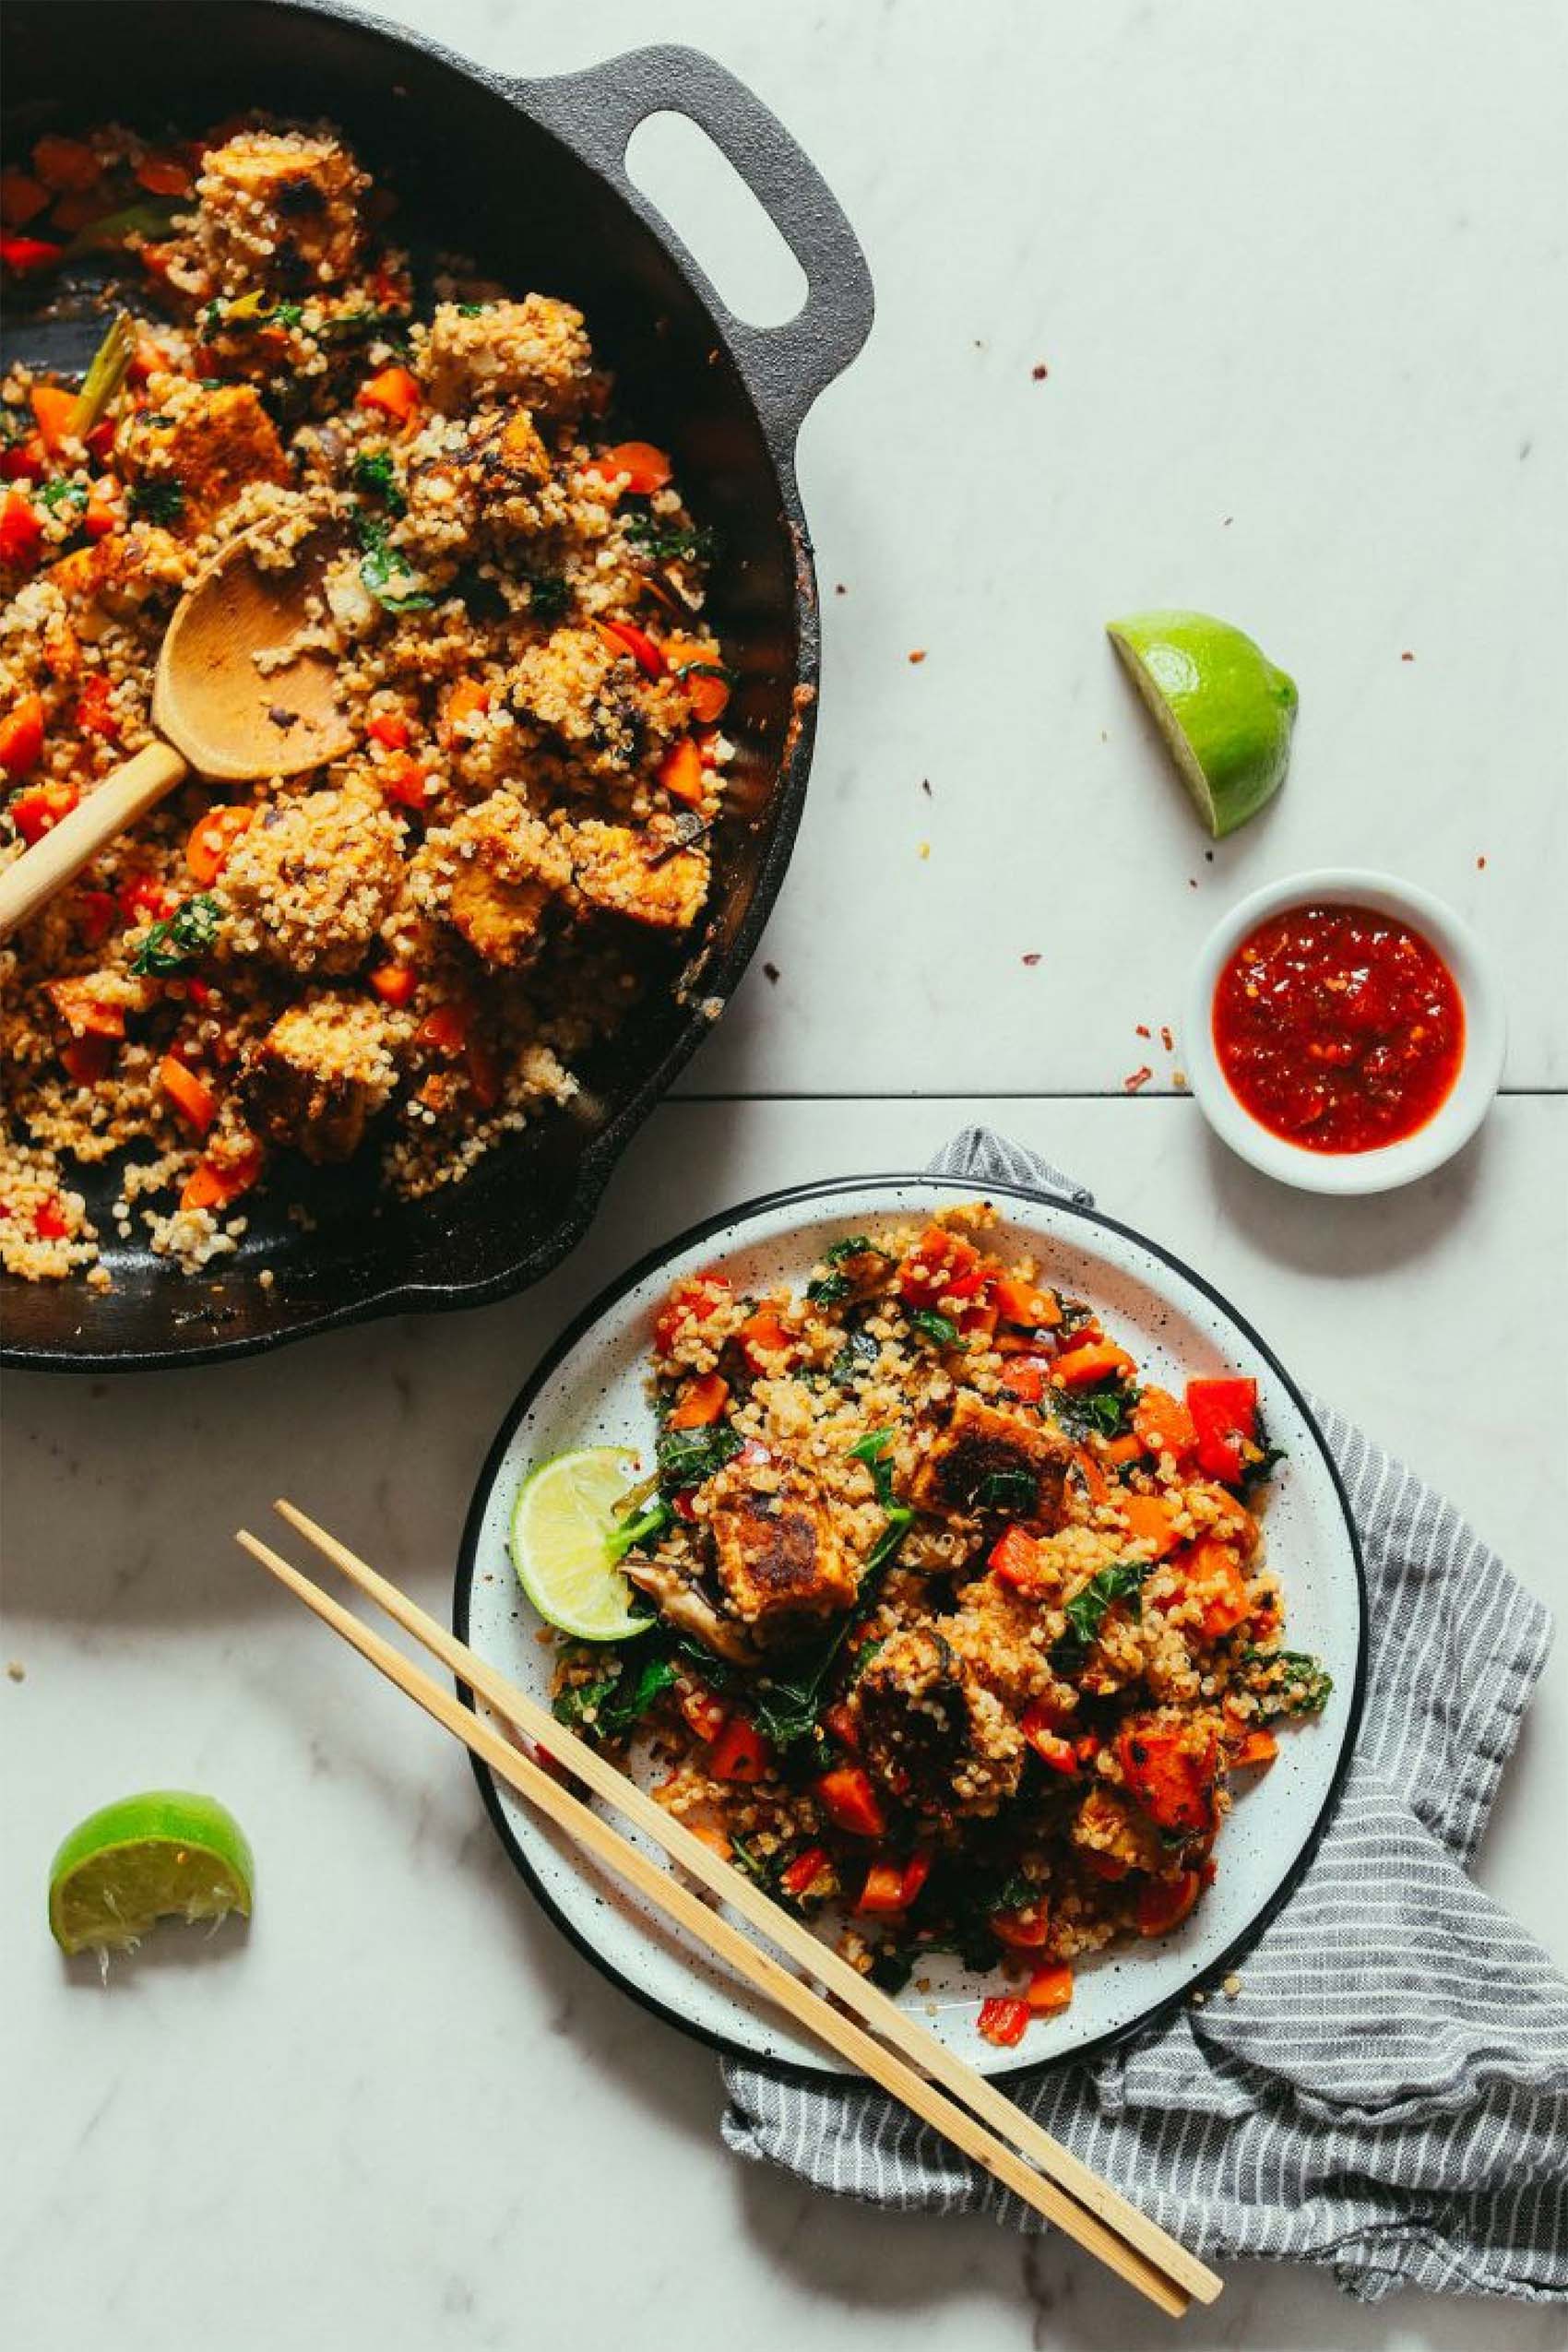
column 679, row 167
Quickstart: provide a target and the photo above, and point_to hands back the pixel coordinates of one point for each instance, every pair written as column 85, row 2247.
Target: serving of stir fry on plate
column 958, row 1631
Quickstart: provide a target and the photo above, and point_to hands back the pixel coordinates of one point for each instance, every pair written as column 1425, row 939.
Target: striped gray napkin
column 1388, row 2093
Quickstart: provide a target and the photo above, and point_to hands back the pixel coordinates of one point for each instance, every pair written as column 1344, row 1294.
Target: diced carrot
column 1172, row 1781
column 1215, row 1571
column 394, row 983
column 211, row 1185
column 650, row 468
column 700, row 1403
column 882, row 1890
column 1022, row 1303
column 21, row 737
column 395, row 392
column 1258, row 1746
column 54, row 411
column 1022, row 1931
column 463, row 698
column 740, row 1752
column 690, row 1302
column 764, row 1340
column 1050, row 1988
column 213, row 837
column 683, row 774
column 195, row 1101
column 1121, row 1450
column 389, row 729
column 699, row 669
column 625, row 636
column 84, row 1012
column 22, row 197
column 163, row 175
column 21, row 533
column 65, row 163
column 1162, row 1423
column 1151, row 1519
column 1097, row 1486
column 1092, row 1360
column 1164, row 1903
column 799, row 1877
column 1002, row 2020
column 850, row 1802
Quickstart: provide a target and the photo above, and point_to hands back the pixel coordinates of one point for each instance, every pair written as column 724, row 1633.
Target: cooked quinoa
column 406, row 954
column 961, row 1634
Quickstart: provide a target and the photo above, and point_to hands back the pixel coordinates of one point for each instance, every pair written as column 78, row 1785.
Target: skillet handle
column 595, row 113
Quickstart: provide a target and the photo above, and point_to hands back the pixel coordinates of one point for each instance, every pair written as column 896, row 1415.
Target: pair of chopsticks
column 877, row 2037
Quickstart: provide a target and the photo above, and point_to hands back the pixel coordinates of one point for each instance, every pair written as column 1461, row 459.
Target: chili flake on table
column 1340, row 1028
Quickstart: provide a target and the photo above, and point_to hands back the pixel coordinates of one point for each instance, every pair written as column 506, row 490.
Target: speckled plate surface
column 589, row 1390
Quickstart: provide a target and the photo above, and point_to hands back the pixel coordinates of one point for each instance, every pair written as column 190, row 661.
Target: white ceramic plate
column 589, row 1390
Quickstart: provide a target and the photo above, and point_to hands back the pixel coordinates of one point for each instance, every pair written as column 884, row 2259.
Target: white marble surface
column 1298, row 266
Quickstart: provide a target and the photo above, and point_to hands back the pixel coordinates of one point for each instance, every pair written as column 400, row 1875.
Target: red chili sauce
column 1338, row 1027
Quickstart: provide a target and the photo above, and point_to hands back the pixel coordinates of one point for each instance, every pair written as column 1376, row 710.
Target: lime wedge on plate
column 165, row 1855
column 564, row 1515
column 1223, row 707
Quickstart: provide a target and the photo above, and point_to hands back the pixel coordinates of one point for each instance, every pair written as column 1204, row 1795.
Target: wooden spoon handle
column 112, row 807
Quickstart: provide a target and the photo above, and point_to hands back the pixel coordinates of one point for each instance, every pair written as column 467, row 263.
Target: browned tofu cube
column 319, row 1074
column 281, row 209
column 494, row 873
column 645, row 875
column 780, row 1556
column 989, row 1461
column 196, row 455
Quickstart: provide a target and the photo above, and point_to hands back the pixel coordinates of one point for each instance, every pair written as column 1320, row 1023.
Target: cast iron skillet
column 527, row 176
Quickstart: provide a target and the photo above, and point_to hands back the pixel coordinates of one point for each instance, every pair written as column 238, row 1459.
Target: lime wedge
column 1223, row 707
column 562, row 1523
column 165, row 1855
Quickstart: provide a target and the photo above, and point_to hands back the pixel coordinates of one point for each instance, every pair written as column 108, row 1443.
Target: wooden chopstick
column 688, row 1910
column 1161, row 2253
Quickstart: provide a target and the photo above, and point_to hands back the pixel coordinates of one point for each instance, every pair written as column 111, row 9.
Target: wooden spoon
column 218, row 713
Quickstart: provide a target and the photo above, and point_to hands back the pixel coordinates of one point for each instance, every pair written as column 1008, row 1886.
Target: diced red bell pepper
column 389, row 729
column 1172, row 1782
column 1164, row 1903
column 938, row 1261
column 49, row 1219
column 1092, row 1360
column 690, row 1302
column 30, row 257
column 21, row 532
column 95, row 713
column 850, row 1802
column 700, row 1403
column 740, row 1752
column 445, row 1028
column 1002, row 2020
column 87, row 1059
column 1026, row 1377
column 1022, row 1931
column 1050, row 1744
column 840, row 1722
column 97, row 912
column 1015, row 1560
column 24, row 460
column 40, row 810
column 68, row 166
column 798, row 1876
column 1050, row 1988
column 403, row 779
column 1225, row 1418
column 22, row 197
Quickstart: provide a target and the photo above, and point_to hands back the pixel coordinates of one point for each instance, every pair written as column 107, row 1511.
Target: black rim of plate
column 730, row 1221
